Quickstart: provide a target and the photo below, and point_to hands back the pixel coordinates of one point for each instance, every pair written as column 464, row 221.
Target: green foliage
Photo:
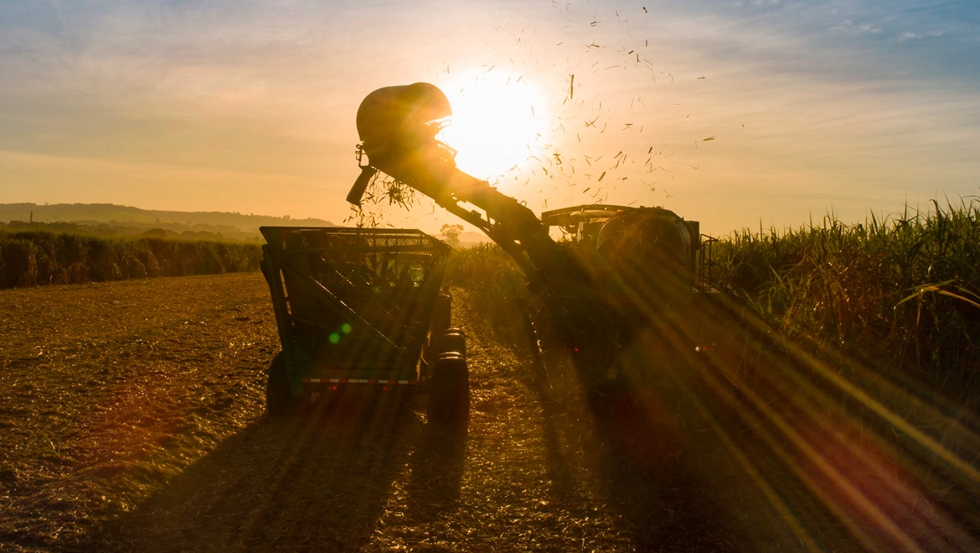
column 905, row 289
column 495, row 285
column 31, row 258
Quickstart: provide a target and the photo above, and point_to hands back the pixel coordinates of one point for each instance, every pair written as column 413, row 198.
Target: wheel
column 279, row 399
column 449, row 390
column 454, row 341
column 438, row 325
column 442, row 314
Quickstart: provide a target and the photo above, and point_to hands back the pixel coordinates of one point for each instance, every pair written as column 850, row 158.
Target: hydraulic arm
column 398, row 127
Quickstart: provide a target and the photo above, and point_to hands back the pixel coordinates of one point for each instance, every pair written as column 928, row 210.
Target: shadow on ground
column 755, row 444
column 316, row 482
column 640, row 451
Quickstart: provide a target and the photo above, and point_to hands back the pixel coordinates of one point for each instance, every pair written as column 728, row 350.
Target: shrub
column 30, row 258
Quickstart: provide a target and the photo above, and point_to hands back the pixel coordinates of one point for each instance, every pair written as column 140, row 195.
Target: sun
column 498, row 123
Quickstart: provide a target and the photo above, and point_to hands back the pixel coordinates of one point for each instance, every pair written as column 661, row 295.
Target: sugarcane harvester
column 633, row 260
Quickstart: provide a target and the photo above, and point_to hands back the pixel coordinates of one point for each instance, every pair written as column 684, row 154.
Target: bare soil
column 132, row 419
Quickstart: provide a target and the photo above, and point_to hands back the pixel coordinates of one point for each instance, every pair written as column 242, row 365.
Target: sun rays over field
column 813, row 439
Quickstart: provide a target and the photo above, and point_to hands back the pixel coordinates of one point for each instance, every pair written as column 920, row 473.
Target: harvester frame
column 361, row 307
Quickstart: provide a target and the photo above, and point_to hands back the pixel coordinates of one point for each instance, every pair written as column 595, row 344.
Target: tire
column 454, row 341
column 442, row 314
column 279, row 399
column 438, row 326
column 449, row 390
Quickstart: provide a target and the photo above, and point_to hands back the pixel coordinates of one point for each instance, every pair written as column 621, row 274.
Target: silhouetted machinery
column 624, row 268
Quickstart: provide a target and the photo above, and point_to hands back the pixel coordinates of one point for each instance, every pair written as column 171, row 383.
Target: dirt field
column 132, row 419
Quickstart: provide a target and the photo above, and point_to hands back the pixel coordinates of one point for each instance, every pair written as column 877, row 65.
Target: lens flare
column 497, row 123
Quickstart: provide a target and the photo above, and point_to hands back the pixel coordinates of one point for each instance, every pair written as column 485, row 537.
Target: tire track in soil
column 506, row 484
column 539, row 472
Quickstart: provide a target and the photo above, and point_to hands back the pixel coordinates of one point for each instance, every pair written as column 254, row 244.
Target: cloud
column 908, row 35
column 848, row 26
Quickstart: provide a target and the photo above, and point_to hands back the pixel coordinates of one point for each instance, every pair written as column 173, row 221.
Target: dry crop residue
column 133, row 419
column 109, row 391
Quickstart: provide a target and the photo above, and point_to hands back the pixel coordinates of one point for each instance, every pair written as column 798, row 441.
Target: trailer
column 360, row 307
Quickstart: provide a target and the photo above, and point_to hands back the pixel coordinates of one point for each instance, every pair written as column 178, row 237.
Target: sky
column 738, row 114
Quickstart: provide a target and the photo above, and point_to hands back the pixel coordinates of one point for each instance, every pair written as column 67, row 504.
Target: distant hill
column 111, row 219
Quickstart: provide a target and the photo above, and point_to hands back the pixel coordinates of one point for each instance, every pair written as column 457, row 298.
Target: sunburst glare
column 498, row 123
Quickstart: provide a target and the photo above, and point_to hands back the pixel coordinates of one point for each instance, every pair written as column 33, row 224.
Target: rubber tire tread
column 279, row 400
column 449, row 390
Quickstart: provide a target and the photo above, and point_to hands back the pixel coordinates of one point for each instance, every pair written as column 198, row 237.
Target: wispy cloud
column 908, row 35
column 849, row 26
